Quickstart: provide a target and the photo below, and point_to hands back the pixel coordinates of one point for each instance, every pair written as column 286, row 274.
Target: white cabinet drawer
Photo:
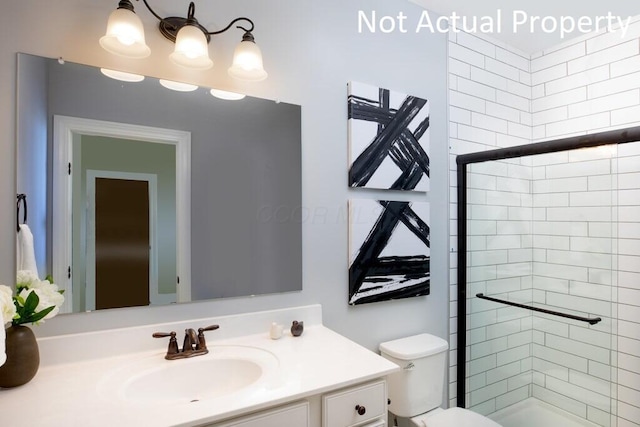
column 296, row 415
column 340, row 409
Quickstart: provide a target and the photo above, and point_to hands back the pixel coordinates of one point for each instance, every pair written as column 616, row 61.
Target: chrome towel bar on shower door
column 589, row 320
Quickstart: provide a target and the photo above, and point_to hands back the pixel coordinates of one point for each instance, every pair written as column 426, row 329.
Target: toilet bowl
column 416, row 391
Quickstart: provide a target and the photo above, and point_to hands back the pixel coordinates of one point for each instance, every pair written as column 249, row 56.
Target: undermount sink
column 226, row 370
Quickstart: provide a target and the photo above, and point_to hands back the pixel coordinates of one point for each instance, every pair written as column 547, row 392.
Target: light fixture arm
column 238, row 26
column 152, row 11
column 170, row 26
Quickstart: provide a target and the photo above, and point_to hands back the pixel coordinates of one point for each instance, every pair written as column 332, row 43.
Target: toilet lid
column 456, row 417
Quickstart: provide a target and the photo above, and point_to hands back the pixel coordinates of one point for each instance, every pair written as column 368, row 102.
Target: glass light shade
column 247, row 62
column 226, row 95
column 121, row 75
column 192, row 49
column 125, row 35
column 178, row 86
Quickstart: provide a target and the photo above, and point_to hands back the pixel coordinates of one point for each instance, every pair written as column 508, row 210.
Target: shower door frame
column 620, row 136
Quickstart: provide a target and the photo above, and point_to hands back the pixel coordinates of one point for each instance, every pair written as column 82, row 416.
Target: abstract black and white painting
column 388, row 139
column 389, row 246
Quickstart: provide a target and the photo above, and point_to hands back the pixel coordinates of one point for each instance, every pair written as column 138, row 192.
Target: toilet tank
column 418, row 387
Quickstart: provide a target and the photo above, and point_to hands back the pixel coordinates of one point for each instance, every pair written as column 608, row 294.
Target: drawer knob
column 361, row 410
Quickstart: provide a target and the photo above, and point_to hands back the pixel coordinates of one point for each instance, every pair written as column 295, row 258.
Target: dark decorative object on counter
column 297, row 328
column 23, row 357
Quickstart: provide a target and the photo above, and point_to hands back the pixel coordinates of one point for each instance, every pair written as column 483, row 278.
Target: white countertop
column 66, row 394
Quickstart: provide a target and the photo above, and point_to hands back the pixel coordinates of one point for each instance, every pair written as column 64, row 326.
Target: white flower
column 44, row 285
column 48, row 296
column 50, row 293
column 7, row 308
column 25, row 278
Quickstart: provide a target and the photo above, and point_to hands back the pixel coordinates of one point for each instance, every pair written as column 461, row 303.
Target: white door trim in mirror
column 64, row 129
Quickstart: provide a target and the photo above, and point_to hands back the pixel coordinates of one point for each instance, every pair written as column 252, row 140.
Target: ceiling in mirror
column 244, row 171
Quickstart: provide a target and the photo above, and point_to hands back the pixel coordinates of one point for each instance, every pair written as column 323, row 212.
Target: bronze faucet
column 193, row 345
column 190, row 340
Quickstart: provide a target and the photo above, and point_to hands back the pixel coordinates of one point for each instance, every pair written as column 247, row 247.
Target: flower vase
column 23, row 358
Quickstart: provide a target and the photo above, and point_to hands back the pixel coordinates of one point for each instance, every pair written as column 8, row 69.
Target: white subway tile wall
column 560, row 231
column 491, row 109
column 597, row 79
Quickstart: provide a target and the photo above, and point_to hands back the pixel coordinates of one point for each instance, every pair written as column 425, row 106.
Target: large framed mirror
column 209, row 189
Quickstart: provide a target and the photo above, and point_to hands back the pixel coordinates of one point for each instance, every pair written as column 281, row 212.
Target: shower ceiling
column 523, row 39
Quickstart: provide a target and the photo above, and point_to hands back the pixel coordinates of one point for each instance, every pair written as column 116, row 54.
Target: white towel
column 25, row 253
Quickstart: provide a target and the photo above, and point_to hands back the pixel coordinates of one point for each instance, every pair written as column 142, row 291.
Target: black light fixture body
column 247, row 60
column 170, row 26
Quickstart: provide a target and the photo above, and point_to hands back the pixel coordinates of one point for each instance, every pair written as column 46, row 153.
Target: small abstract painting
column 388, row 139
column 389, row 247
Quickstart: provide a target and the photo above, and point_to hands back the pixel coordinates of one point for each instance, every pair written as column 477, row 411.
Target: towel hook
column 22, row 199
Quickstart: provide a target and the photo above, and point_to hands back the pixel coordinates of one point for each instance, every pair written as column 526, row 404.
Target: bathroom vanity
column 120, row 378
column 359, row 405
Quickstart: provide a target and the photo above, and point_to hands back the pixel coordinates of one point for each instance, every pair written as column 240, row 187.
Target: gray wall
column 311, row 49
column 32, row 178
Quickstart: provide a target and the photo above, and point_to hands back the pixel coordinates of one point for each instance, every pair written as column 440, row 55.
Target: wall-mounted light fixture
column 125, row 37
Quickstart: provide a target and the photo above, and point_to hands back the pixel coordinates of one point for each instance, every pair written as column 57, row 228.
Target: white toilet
column 416, row 391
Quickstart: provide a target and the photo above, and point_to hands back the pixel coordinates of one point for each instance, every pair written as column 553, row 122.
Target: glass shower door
column 541, row 281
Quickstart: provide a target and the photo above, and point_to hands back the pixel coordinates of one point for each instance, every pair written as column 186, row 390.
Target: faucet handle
column 173, row 342
column 163, row 334
column 202, row 343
